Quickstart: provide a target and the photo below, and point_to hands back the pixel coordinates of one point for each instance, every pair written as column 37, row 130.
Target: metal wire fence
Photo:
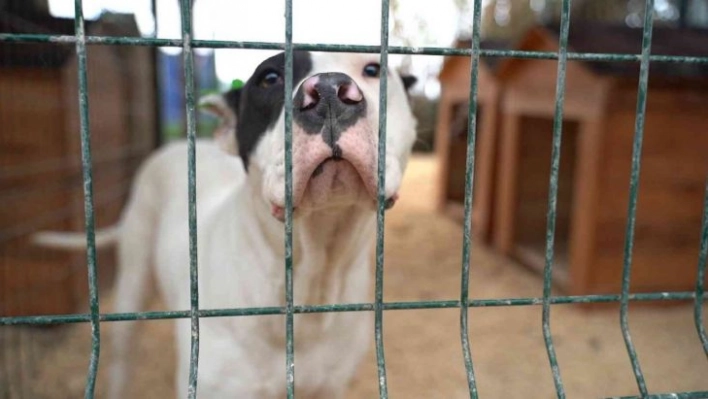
column 187, row 43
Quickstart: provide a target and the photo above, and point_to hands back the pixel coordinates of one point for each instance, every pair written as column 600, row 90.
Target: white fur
column 241, row 260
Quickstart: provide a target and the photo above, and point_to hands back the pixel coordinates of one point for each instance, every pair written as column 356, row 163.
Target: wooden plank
column 585, row 205
column 442, row 150
column 485, row 172
column 506, row 183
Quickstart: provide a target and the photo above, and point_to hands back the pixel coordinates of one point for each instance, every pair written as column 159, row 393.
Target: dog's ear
column 223, row 107
column 233, row 99
column 408, row 81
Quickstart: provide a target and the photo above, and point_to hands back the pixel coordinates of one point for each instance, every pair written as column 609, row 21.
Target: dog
column 240, row 210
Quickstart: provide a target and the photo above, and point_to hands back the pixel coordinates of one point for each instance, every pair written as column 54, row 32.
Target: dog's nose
column 330, row 87
column 328, row 104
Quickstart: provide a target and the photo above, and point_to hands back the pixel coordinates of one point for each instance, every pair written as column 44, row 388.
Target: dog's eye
column 372, row 70
column 270, row 79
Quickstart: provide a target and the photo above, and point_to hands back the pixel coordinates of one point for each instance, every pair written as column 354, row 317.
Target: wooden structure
column 451, row 137
column 598, row 131
column 41, row 182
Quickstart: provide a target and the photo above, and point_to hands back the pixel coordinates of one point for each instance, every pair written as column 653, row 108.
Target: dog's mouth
column 334, row 180
column 335, row 175
column 320, row 168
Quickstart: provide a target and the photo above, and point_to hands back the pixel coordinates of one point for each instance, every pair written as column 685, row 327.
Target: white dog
column 241, row 202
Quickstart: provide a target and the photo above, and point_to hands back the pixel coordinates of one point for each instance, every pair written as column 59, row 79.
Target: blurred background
column 137, row 103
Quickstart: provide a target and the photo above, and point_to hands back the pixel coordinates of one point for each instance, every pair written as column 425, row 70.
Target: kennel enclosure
column 40, row 181
column 451, row 137
column 595, row 163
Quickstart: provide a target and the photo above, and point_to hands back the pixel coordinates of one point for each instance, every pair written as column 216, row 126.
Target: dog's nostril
column 310, row 99
column 349, row 93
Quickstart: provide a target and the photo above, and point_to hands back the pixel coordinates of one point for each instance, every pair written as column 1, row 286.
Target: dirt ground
column 423, row 351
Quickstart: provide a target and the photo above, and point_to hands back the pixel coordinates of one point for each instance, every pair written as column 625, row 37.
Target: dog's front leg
column 134, row 261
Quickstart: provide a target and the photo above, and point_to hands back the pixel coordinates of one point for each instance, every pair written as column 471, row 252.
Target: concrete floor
column 423, row 352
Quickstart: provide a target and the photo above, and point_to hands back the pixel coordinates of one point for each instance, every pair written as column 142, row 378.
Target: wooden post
column 484, row 178
column 585, row 204
column 506, row 183
column 442, row 151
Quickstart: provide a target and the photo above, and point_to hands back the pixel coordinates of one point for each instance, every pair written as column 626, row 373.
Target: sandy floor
column 423, row 352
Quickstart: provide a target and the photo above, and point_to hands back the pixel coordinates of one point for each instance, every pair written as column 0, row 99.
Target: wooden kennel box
column 452, row 132
column 598, row 131
column 41, row 184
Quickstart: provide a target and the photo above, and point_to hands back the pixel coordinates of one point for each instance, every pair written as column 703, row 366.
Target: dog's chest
column 245, row 357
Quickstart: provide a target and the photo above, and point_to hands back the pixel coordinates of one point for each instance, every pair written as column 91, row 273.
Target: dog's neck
column 328, row 245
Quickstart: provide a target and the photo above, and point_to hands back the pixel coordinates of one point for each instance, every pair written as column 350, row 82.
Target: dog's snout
column 328, row 104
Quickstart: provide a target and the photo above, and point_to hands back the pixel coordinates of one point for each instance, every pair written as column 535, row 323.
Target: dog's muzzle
column 334, row 144
column 328, row 104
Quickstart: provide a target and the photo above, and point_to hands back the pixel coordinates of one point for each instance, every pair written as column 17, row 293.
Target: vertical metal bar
column 683, row 13
column 380, row 215
column 702, row 257
column 633, row 192
column 553, row 197
column 289, row 310
column 156, row 61
column 469, row 195
column 188, row 58
column 88, row 198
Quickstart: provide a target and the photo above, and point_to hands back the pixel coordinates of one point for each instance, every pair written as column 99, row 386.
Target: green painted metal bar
column 188, row 57
column 469, row 196
column 700, row 291
column 633, row 193
column 553, row 199
column 683, row 13
column 445, row 51
column 89, row 213
column 345, row 307
column 677, row 395
column 381, row 202
column 289, row 312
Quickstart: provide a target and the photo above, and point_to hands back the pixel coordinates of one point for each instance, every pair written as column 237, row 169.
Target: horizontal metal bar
column 677, row 395
column 346, row 307
column 444, row 51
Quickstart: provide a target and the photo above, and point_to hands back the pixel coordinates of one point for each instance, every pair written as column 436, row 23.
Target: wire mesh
column 187, row 43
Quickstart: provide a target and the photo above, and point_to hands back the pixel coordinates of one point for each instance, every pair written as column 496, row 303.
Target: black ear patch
column 259, row 103
column 409, row 81
column 233, row 98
